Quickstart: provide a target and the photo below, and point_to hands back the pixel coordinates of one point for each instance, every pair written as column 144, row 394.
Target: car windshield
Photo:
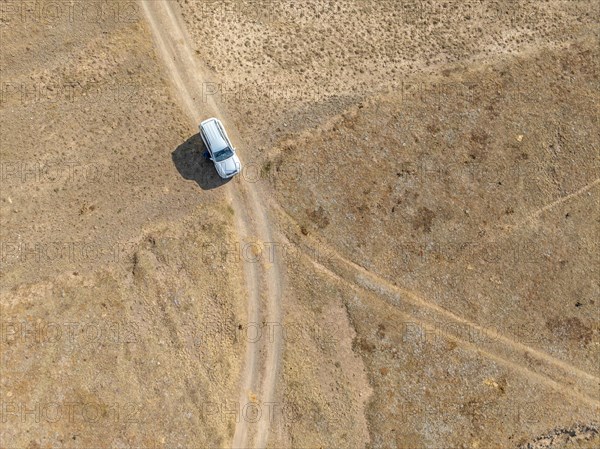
column 223, row 154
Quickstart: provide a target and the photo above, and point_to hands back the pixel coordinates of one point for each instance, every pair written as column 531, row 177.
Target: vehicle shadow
column 191, row 163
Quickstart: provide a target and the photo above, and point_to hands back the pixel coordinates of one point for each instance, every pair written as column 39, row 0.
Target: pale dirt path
column 555, row 373
column 536, row 214
column 262, row 359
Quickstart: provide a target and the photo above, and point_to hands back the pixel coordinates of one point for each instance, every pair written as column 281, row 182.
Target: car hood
column 229, row 167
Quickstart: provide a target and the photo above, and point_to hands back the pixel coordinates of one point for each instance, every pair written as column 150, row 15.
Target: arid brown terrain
column 409, row 258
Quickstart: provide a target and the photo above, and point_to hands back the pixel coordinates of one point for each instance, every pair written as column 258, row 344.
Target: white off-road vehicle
column 219, row 147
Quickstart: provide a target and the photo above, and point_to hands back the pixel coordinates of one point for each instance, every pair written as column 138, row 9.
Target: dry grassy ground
column 119, row 316
column 430, row 169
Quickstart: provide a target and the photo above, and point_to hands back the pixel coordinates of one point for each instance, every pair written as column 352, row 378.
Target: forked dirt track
column 535, row 364
column 259, row 375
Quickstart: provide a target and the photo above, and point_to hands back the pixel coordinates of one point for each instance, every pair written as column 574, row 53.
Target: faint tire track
column 534, row 215
column 251, row 218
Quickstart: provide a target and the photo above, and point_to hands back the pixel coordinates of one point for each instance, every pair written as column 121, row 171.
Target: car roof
column 213, row 135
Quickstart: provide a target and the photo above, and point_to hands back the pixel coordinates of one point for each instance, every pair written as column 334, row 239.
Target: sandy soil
column 409, row 259
column 119, row 312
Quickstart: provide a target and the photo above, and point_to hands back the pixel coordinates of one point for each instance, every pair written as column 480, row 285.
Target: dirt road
column 187, row 74
column 260, row 372
column 533, row 363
